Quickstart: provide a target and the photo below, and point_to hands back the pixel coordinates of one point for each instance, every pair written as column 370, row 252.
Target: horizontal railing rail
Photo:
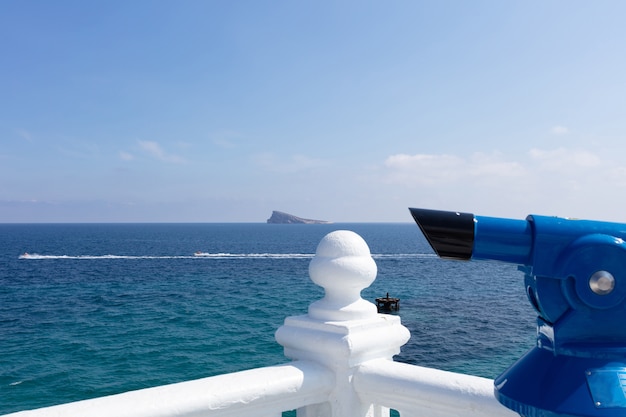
column 257, row 392
column 415, row 391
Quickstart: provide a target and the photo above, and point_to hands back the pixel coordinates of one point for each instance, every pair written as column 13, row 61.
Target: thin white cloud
column 540, row 164
column 562, row 181
column 559, row 130
column 484, row 165
column 424, row 169
column 564, row 160
column 156, row 151
column 125, row 156
column 427, row 169
column 225, row 139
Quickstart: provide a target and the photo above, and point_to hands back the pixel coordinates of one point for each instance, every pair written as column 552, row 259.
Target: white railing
column 416, row 391
column 263, row 391
column 342, row 364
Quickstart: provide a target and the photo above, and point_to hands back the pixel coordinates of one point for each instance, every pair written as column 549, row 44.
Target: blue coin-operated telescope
column 575, row 277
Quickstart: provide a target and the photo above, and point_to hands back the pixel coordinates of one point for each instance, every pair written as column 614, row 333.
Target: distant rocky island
column 278, row 217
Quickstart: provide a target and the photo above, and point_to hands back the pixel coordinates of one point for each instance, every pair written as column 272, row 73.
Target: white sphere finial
column 343, row 266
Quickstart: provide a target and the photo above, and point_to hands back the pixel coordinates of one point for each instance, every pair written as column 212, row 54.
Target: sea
column 88, row 310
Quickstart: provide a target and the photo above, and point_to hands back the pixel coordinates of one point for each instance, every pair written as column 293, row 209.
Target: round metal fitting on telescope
column 602, row 282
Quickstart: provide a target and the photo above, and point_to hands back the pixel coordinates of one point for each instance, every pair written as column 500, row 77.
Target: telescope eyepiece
column 449, row 233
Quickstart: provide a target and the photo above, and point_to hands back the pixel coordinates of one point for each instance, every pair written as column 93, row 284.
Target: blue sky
column 349, row 111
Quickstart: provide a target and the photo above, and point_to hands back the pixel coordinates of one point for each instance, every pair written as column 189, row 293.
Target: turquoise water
column 101, row 309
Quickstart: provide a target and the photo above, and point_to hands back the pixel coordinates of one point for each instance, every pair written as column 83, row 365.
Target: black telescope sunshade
column 450, row 234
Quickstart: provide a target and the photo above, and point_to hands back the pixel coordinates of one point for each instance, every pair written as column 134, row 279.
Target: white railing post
column 342, row 330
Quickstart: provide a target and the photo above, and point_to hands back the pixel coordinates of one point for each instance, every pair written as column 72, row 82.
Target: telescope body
column 575, row 278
